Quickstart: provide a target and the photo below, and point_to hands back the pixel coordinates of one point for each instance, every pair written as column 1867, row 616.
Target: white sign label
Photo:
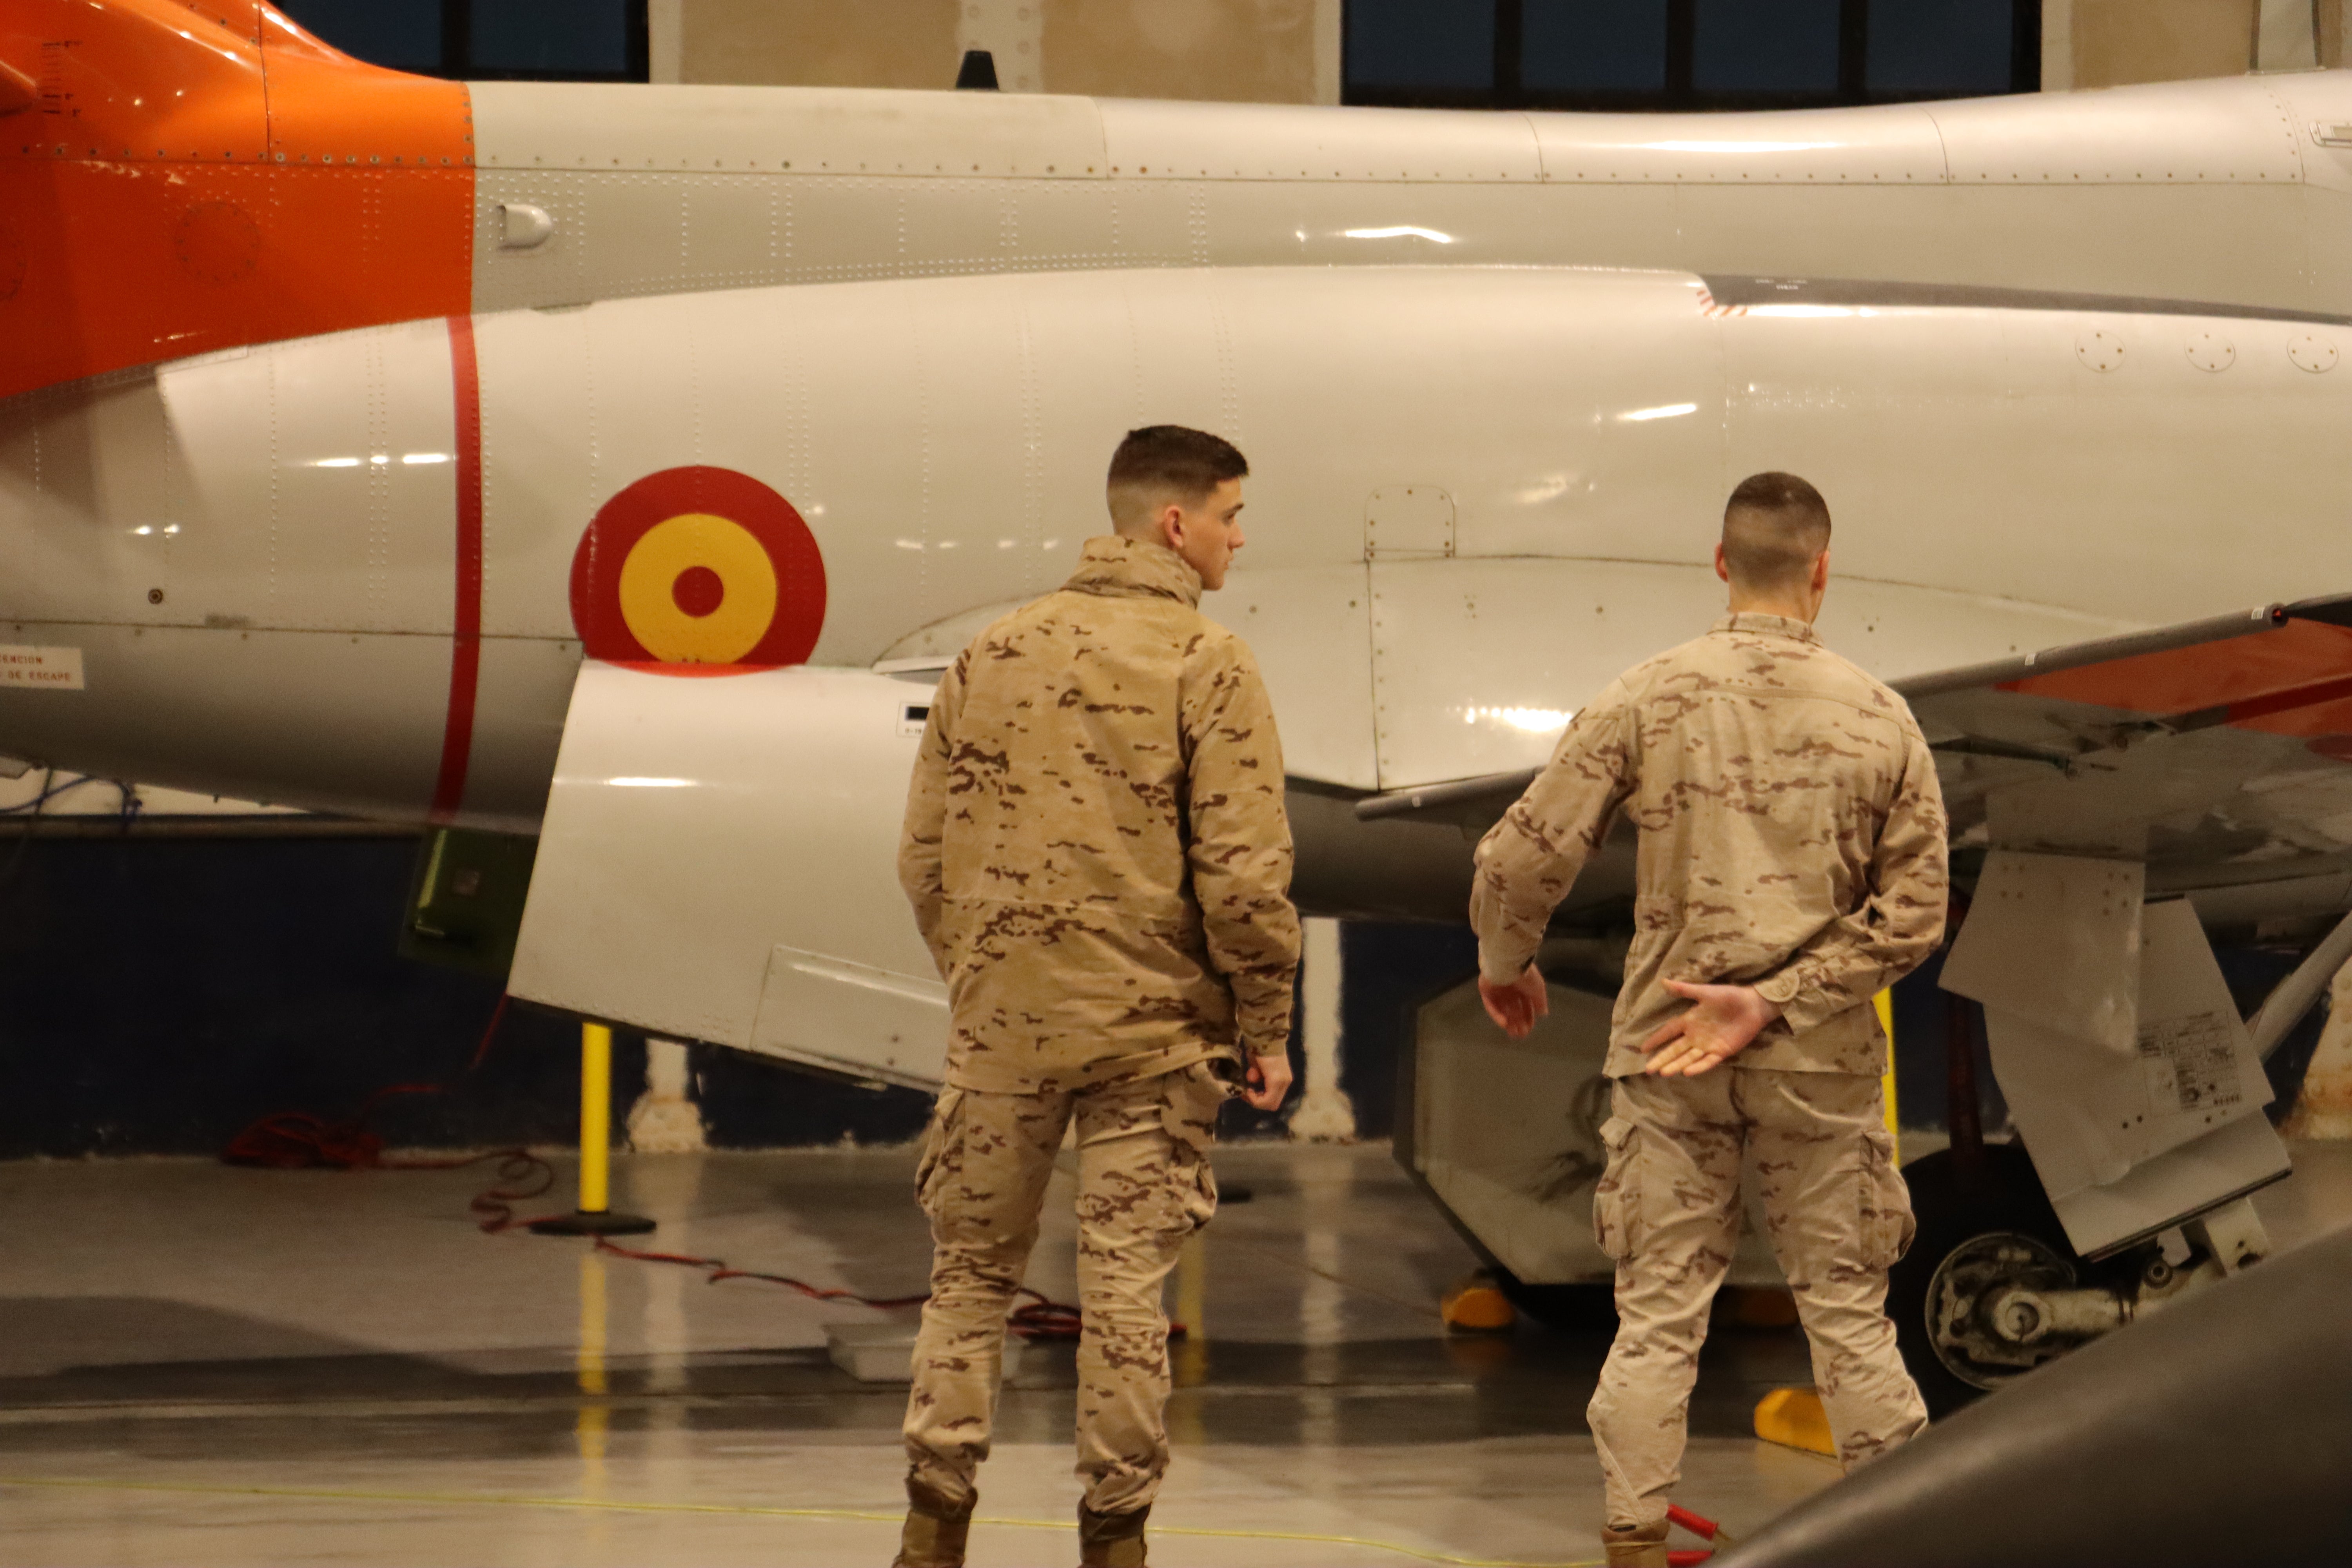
column 56, row 668
column 2191, row 1063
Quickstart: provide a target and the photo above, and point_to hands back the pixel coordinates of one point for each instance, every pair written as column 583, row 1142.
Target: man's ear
column 1822, row 573
column 1171, row 526
column 1722, row 567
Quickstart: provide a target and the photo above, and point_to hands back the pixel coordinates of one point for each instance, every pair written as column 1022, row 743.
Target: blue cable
column 48, row 794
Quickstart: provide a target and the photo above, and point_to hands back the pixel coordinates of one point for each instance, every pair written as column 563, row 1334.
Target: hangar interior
column 275, row 1128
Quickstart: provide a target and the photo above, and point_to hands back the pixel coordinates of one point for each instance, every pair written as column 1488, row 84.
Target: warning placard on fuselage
column 55, row 669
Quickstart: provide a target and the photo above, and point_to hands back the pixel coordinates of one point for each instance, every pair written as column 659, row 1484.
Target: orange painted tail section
column 179, row 178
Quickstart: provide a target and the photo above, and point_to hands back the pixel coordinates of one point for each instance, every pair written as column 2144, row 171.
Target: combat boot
column 1111, row 1540
column 934, row 1533
column 1642, row 1548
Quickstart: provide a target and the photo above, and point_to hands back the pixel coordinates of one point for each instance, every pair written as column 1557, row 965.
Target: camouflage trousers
column 1668, row 1210
column 1144, row 1186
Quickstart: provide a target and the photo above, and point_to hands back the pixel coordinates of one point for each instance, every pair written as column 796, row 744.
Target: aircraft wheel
column 1971, row 1242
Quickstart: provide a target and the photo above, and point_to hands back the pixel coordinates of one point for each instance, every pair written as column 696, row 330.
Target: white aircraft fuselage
column 2061, row 365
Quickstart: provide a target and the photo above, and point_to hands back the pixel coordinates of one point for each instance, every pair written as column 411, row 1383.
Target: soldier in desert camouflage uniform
column 1097, row 852
column 1790, row 865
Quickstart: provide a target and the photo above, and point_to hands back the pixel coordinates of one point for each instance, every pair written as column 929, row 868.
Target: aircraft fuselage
column 1495, row 374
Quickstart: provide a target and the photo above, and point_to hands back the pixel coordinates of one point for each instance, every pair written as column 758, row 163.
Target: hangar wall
column 1287, row 51
column 171, row 980
column 2110, row 43
column 1255, row 51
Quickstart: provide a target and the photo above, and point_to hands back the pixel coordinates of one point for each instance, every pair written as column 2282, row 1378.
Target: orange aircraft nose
column 178, row 178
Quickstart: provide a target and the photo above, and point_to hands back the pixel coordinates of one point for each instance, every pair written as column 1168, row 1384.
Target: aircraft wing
column 2213, row 758
column 2219, row 751
column 2215, row 752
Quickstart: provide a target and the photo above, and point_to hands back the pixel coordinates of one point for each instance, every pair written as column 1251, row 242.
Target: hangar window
column 488, row 40
column 1685, row 54
column 1942, row 49
column 1593, row 46
column 1421, row 47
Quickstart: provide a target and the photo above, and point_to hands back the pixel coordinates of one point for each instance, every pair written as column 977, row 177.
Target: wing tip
column 2333, row 609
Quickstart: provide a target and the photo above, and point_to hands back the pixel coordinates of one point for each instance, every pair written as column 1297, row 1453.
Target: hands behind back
column 1720, row 1025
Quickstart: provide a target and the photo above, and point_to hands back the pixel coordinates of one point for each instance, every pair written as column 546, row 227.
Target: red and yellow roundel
column 699, row 567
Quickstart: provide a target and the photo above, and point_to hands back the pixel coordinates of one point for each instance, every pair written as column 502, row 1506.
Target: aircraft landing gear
column 1977, row 1301
column 1991, row 1287
column 1974, row 1299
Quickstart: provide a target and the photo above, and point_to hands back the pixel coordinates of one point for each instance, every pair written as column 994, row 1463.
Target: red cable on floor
column 300, row 1141
column 1039, row 1318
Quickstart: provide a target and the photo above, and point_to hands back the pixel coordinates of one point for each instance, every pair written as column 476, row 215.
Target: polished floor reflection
column 203, row 1366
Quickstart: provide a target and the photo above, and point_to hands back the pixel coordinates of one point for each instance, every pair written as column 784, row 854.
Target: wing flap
column 2195, row 746
column 718, row 863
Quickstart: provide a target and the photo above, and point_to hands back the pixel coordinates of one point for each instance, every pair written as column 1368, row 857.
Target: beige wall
column 1255, row 51
column 819, row 43
column 2105, row 43
column 2118, row 41
column 1266, row 51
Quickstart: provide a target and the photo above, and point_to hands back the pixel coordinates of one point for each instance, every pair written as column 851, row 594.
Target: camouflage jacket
column 1791, row 837
column 1096, row 844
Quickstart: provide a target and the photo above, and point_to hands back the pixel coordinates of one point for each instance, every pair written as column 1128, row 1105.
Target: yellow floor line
column 325, row 1494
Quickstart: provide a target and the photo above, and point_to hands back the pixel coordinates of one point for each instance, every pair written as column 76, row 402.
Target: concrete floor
column 202, row 1365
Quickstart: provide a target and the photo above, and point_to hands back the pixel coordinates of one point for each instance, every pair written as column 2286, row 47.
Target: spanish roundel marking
column 698, row 567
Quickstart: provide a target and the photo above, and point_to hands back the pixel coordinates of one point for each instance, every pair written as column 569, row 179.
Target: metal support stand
column 595, row 1217
column 2291, row 999
column 1963, row 1111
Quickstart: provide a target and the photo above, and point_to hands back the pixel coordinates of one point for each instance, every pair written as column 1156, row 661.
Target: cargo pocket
column 1614, row 1199
column 942, row 1154
column 1189, row 1112
column 1887, row 1227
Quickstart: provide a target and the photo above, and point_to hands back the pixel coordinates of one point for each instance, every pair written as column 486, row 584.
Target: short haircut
column 1163, row 463
column 1774, row 528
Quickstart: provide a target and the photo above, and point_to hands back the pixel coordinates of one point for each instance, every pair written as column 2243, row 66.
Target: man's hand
column 1722, row 1020
column 1267, row 1080
column 1515, row 1006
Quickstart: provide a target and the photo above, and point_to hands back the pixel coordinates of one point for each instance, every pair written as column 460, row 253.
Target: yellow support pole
column 1884, row 1002
column 595, row 1215
column 595, row 1119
